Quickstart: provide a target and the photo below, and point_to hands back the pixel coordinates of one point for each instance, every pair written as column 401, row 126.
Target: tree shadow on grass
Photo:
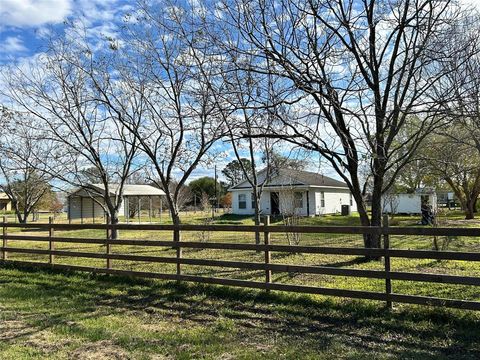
column 364, row 328
column 356, row 261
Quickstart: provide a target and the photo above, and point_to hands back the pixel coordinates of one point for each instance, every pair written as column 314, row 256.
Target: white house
column 403, row 203
column 5, row 203
column 292, row 191
column 85, row 202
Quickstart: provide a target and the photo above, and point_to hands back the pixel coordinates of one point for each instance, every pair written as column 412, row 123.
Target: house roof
column 4, row 196
column 128, row 189
column 293, row 177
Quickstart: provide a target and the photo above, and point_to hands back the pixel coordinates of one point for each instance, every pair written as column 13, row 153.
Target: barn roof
column 128, row 189
column 295, row 178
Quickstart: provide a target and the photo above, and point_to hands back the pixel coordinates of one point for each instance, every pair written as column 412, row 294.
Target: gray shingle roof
column 296, row 177
column 311, row 178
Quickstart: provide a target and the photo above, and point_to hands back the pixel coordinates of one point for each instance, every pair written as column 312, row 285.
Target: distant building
column 293, row 191
column 85, row 202
column 403, row 203
column 446, row 199
column 5, row 203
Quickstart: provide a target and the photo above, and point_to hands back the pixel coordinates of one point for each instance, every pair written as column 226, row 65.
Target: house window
column 322, row 199
column 351, row 200
column 242, row 201
column 298, row 200
column 253, row 201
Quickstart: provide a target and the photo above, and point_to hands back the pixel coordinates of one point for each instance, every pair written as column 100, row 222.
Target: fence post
column 4, row 237
column 266, row 237
column 51, row 244
column 386, row 246
column 108, row 245
column 176, row 237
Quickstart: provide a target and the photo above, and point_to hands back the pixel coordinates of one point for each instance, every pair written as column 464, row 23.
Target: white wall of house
column 407, row 203
column 5, row 205
column 334, row 199
column 248, row 208
column 299, row 206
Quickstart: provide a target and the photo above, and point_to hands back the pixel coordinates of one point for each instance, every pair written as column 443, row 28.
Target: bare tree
column 291, row 205
column 390, row 202
column 23, row 155
column 453, row 158
column 205, row 202
column 455, row 152
column 63, row 89
column 356, row 71
column 172, row 70
column 246, row 120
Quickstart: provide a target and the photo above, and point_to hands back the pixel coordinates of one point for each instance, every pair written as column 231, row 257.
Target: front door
column 274, row 203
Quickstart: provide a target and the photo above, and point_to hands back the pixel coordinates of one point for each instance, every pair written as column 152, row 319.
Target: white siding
column 406, row 203
column 265, row 202
column 287, row 202
column 88, row 207
column 334, row 199
column 312, row 198
column 235, row 203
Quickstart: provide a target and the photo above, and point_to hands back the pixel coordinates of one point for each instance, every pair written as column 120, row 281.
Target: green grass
column 136, row 319
column 337, row 240
column 59, row 315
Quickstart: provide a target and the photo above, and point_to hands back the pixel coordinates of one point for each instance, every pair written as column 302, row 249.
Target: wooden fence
column 388, row 296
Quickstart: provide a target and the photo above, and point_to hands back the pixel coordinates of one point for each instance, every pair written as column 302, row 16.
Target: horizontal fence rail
column 266, row 266
column 359, row 230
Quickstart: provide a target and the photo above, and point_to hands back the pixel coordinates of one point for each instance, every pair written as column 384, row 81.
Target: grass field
column 138, row 319
column 75, row 316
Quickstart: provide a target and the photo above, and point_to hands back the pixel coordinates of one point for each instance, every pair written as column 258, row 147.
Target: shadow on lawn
column 408, row 332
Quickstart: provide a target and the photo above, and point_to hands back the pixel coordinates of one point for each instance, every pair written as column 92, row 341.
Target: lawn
column 139, row 318
column 338, row 240
column 58, row 315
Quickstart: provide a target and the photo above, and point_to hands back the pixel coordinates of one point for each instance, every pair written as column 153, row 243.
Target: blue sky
column 26, row 24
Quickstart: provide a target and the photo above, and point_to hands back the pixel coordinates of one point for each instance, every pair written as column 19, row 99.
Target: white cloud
column 11, row 45
column 21, row 13
column 43, row 32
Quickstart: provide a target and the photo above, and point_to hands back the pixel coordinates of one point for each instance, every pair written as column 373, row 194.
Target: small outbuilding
column 5, row 203
column 86, row 202
column 290, row 191
column 404, row 203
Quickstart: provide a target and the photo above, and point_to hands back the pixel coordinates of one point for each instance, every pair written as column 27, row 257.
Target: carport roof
column 128, row 189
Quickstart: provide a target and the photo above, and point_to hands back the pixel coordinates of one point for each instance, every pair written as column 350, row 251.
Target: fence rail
column 266, row 265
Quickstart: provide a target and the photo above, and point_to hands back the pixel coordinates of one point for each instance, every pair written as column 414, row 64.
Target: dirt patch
column 11, row 330
column 100, row 350
column 160, row 357
column 46, row 342
column 463, row 222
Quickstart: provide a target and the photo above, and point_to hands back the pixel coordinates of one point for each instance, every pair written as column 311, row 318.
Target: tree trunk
column 375, row 219
column 176, row 222
column 114, row 221
column 256, row 218
column 470, row 209
column 22, row 218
